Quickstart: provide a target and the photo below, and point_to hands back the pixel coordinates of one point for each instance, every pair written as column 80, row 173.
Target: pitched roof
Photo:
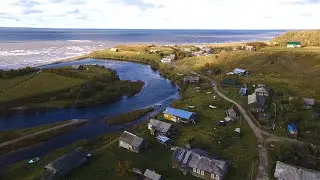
column 67, row 162
column 152, row 175
column 290, row 172
column 231, row 112
column 178, row 112
column 199, row 159
column 131, row 139
column 160, row 125
column 294, row 43
column 238, row 70
column 309, row 102
column 252, row 98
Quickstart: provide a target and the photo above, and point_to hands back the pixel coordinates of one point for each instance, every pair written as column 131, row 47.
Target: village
column 265, row 104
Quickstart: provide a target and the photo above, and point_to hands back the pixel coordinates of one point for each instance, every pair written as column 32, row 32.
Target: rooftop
column 200, row 160
column 160, row 125
column 152, row 175
column 178, row 112
column 294, row 43
column 290, row 172
column 131, row 139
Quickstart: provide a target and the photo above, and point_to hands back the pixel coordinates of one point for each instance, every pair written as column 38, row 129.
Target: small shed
column 114, row 49
column 292, row 130
column 240, row 72
column 131, row 142
column 157, row 127
column 191, row 79
column 237, row 133
column 250, row 48
column 243, row 91
column 228, row 120
column 309, row 103
column 77, row 67
column 231, row 113
column 294, row 45
column 151, row 175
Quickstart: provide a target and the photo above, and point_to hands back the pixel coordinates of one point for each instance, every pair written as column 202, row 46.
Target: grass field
column 128, row 117
column 6, row 84
column 42, row 83
column 64, row 87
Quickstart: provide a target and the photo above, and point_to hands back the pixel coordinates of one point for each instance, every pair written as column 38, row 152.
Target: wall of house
column 204, row 175
column 171, row 117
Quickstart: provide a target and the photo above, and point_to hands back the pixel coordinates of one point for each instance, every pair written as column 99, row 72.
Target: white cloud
column 165, row 14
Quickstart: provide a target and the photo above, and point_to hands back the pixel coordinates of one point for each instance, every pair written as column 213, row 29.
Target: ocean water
column 20, row 47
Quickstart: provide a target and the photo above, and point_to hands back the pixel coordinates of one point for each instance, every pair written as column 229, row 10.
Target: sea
column 21, row 47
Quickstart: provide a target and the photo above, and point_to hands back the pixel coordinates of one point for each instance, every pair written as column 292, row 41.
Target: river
column 156, row 89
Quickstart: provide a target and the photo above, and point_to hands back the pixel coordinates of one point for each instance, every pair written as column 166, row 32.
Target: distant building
column 231, row 113
column 243, row 91
column 114, row 49
column 207, row 50
column 187, row 49
column 309, row 103
column 168, row 59
column 294, row 45
column 151, row 175
column 240, row 72
column 154, row 50
column 157, row 127
column 250, row 48
column 292, row 130
column 290, row 172
column 131, row 142
column 198, row 163
column 64, row 164
column 191, row 79
column 179, row 115
column 77, row 67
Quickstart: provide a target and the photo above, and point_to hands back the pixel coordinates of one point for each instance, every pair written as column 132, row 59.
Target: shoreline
column 86, row 55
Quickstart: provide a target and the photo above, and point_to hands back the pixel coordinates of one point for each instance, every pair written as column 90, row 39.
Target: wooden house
column 77, row 67
column 199, row 164
column 191, row 79
column 290, row 172
column 179, row 115
column 157, row 127
column 131, row 142
column 64, row 164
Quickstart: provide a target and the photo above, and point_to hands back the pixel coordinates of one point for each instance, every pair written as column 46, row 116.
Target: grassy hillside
column 307, row 37
column 295, row 71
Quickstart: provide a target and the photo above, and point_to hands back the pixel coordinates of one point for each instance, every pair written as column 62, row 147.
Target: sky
column 161, row 14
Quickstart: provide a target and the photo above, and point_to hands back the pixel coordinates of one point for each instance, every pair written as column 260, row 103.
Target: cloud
column 28, row 3
column 138, row 3
column 32, row 11
column 164, row 14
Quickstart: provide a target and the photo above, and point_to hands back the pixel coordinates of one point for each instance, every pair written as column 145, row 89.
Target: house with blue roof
column 179, row 115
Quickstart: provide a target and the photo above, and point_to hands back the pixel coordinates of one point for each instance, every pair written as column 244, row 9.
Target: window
column 194, row 170
column 212, row 176
column 202, row 173
column 217, row 177
column 198, row 171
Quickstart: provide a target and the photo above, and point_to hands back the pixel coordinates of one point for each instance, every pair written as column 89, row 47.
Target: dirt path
column 73, row 122
column 263, row 153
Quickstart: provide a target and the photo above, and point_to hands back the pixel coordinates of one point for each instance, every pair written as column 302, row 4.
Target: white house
column 130, row 142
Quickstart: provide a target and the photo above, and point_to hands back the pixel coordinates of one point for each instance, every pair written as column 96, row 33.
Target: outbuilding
column 290, row 172
column 157, row 127
column 131, row 142
column 240, row 72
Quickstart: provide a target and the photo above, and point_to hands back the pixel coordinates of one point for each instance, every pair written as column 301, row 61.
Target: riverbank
column 128, row 117
column 66, row 87
column 18, row 139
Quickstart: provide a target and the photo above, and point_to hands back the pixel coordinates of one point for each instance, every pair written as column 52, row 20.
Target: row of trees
column 18, row 72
